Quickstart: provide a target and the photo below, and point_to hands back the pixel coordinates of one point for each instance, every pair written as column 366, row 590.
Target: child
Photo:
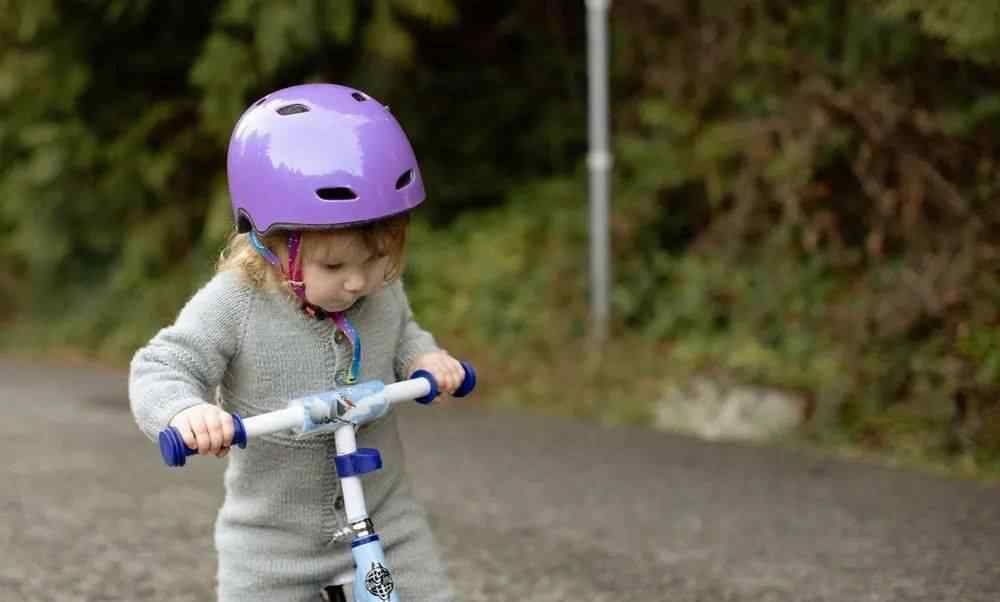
column 307, row 298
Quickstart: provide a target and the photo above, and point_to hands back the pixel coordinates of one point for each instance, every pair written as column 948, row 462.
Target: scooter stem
column 350, row 486
column 372, row 579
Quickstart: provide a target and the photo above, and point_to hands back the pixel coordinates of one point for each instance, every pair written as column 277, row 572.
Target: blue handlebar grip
column 426, row 399
column 468, row 383
column 175, row 452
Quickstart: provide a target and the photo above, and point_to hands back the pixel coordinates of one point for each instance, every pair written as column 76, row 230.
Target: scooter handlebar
column 175, row 452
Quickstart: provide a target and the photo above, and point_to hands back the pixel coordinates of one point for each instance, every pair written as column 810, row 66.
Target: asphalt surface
column 524, row 509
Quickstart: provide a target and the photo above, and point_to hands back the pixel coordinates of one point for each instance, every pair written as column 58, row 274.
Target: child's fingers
column 457, row 374
column 213, row 425
column 184, row 427
column 201, row 436
column 447, row 381
column 228, row 429
column 440, row 373
column 226, row 422
column 451, row 375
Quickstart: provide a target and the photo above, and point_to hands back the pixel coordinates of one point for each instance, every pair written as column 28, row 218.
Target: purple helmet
column 319, row 156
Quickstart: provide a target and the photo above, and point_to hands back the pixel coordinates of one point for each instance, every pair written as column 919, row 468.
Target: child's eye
column 334, row 266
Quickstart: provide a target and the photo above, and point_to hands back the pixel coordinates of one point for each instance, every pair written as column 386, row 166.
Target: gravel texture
column 524, row 508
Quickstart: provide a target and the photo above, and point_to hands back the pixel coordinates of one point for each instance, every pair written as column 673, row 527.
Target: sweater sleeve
column 181, row 366
column 413, row 340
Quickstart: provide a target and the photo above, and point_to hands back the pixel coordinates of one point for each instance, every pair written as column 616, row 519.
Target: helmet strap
column 294, row 268
column 294, row 272
column 262, row 249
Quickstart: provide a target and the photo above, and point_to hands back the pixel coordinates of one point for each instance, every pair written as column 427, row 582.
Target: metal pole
column 599, row 164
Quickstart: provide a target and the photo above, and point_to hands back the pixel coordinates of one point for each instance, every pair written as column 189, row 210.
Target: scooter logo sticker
column 378, row 581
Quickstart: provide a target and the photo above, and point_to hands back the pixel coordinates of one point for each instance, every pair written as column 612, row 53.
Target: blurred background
column 804, row 219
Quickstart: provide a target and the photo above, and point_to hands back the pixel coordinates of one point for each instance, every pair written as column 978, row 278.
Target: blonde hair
column 383, row 238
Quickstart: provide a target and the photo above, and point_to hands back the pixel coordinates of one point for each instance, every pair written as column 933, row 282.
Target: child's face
column 339, row 269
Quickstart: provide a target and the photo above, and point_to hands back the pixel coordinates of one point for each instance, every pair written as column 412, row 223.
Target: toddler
column 307, row 298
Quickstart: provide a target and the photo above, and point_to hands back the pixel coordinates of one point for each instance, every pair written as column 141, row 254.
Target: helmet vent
column 339, row 193
column 293, row 109
column 358, row 96
column 404, row 180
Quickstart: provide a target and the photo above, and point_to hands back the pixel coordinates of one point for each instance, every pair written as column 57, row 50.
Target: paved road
column 540, row 510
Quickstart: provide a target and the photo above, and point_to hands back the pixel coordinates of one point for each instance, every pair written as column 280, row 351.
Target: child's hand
column 205, row 427
column 446, row 370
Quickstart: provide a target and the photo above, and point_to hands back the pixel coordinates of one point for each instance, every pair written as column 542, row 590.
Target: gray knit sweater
column 282, row 504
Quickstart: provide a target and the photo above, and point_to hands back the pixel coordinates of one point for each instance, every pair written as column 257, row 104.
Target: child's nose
column 355, row 282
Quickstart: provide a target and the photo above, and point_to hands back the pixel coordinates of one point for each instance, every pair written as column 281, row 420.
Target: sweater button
column 339, row 337
column 339, row 502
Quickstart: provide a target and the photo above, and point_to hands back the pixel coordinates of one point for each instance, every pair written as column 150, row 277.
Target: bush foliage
column 804, row 193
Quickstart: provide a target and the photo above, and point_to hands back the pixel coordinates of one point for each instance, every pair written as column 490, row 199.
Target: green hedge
column 804, row 195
